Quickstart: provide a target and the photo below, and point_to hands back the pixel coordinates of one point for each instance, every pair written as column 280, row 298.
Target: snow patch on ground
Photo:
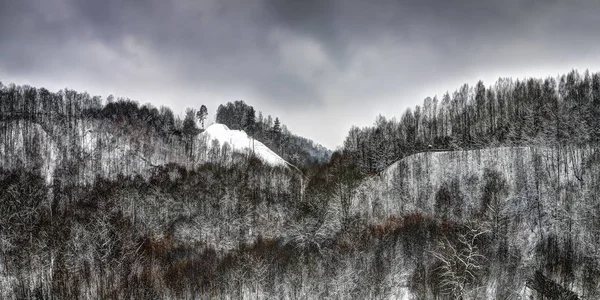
column 239, row 141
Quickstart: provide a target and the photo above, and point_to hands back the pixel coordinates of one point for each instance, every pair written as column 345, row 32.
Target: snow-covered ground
column 239, row 141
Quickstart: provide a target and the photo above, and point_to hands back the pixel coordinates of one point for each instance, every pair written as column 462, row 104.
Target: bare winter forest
column 491, row 192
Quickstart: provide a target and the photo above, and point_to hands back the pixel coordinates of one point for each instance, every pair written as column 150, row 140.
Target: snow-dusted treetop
column 241, row 142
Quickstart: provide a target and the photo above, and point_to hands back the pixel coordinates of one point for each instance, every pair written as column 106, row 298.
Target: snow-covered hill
column 240, row 142
column 411, row 184
column 529, row 195
column 95, row 148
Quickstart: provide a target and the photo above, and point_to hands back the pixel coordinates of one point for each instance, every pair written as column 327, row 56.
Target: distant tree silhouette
column 201, row 114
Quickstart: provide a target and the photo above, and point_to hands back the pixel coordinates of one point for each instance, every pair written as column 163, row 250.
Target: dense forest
column 491, row 192
column 544, row 112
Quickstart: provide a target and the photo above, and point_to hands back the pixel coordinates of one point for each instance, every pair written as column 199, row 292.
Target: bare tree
column 461, row 261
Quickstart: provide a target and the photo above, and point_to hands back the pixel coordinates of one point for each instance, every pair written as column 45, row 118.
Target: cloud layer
column 320, row 65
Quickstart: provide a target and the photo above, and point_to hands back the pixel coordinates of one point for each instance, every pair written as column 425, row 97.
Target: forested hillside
column 532, row 209
column 91, row 123
column 112, row 200
column 553, row 111
column 295, row 149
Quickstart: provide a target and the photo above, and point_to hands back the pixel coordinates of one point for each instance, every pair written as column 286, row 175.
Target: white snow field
column 239, row 141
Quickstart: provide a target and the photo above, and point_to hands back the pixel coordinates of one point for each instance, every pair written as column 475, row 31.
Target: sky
column 321, row 66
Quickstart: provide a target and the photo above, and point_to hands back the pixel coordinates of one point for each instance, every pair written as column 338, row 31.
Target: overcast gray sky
column 320, row 65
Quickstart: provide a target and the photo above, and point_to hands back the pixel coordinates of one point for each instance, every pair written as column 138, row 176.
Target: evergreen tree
column 595, row 110
column 202, row 114
column 190, row 130
column 277, row 132
column 277, row 126
column 189, row 123
column 250, row 124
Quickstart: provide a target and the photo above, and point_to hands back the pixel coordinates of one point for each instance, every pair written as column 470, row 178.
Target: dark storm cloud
column 333, row 63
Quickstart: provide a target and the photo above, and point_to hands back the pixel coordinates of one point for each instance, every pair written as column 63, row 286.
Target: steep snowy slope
column 411, row 184
column 239, row 141
column 529, row 197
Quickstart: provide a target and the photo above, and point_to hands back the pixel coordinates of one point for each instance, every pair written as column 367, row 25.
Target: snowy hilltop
column 239, row 141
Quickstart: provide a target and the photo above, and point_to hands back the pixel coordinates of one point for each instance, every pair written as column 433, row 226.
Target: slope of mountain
column 240, row 142
column 523, row 197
